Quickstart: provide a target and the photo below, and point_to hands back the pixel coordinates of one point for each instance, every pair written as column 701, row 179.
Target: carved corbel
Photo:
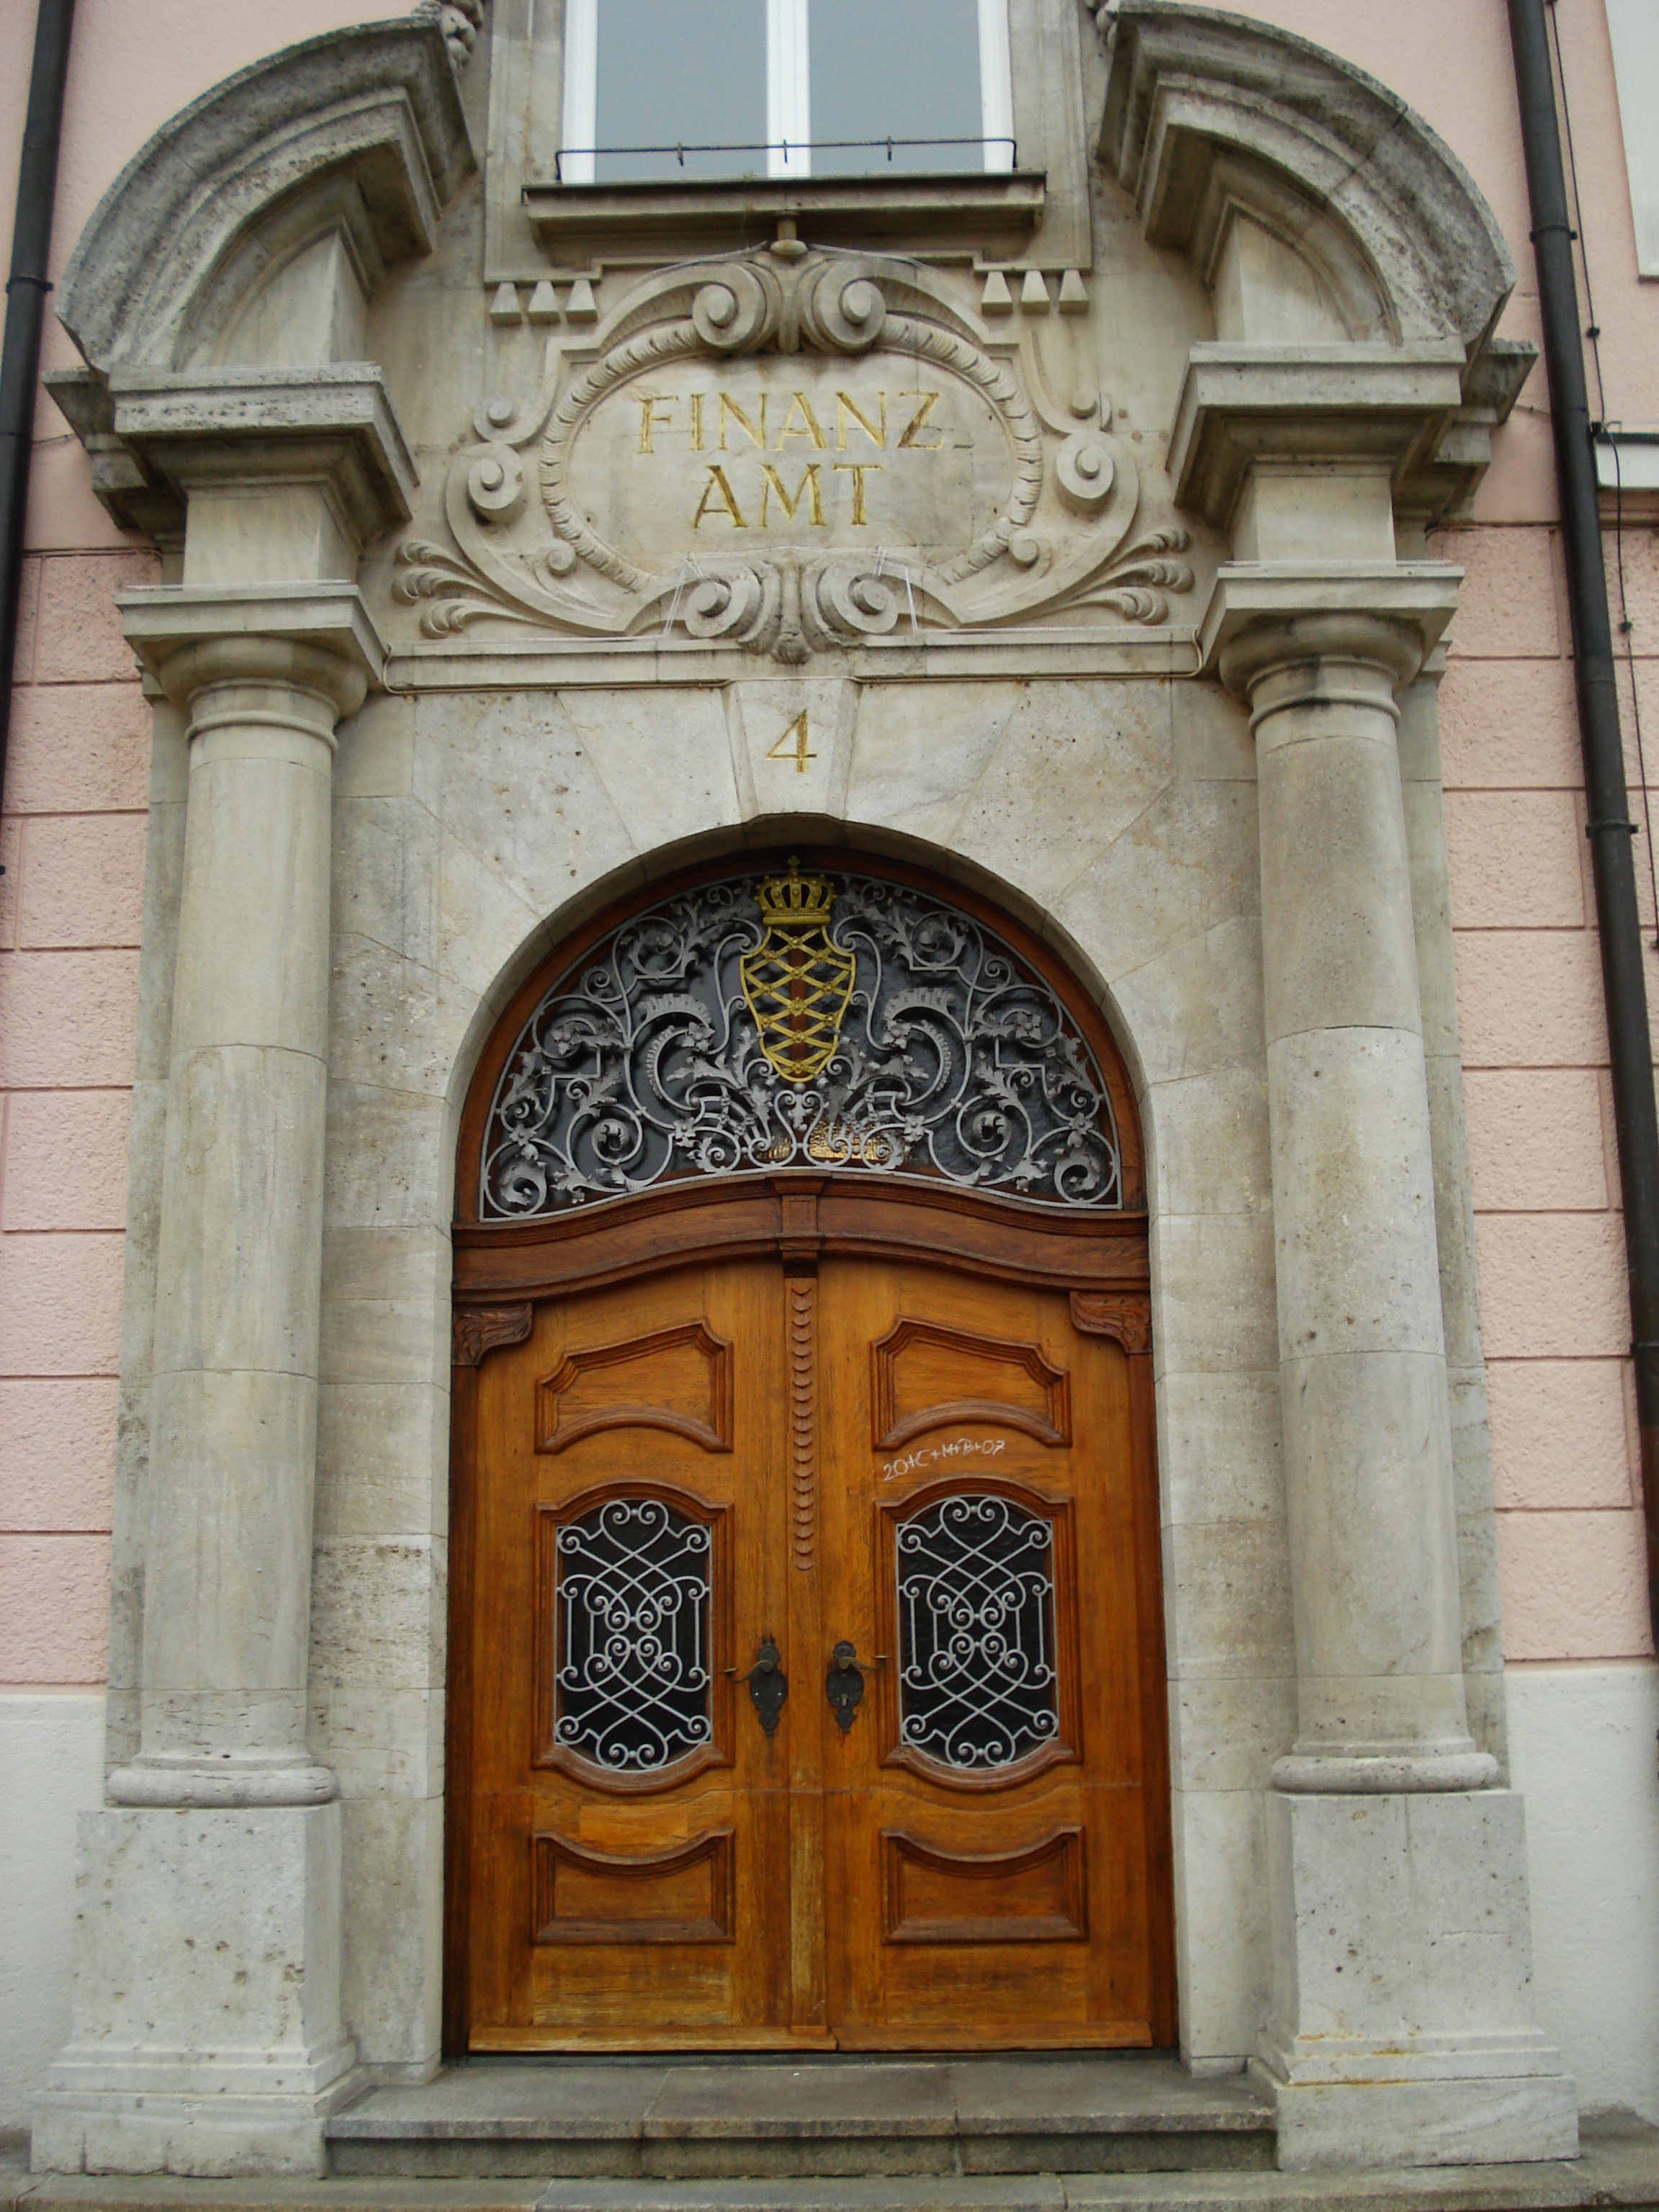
column 1126, row 1316
column 476, row 1330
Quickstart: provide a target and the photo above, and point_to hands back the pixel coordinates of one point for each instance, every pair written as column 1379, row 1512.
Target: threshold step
column 1620, row 2167
column 773, row 2120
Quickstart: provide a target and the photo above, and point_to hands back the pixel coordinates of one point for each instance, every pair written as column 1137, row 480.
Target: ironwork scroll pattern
column 954, row 1060
column 977, row 1682
column 634, row 1673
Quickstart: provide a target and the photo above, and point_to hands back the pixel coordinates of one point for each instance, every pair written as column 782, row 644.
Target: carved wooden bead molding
column 803, row 1419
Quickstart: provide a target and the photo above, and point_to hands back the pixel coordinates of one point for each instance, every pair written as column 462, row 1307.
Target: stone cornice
column 156, row 437
column 1264, row 614
column 1240, row 404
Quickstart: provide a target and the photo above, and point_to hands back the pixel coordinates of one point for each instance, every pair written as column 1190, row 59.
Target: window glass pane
column 903, row 69
column 672, row 74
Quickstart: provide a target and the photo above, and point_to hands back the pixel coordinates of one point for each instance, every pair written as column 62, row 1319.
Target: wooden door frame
column 503, row 1269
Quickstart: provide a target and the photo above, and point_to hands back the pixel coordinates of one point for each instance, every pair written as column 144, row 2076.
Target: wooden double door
column 812, row 1669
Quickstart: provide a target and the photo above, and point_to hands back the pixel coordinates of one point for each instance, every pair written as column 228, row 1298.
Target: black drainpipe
column 1611, row 831
column 26, row 307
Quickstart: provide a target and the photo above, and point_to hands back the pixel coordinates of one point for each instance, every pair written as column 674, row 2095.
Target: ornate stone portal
column 1022, row 539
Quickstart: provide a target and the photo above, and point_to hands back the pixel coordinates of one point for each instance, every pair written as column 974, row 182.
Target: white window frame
column 1633, row 26
column 788, row 88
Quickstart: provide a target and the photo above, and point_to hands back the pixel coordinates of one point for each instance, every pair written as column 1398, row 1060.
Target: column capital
column 317, row 637
column 1270, row 615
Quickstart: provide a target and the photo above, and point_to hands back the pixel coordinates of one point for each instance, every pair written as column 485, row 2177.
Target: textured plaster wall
column 77, row 788
column 1556, row 1322
column 1584, row 1736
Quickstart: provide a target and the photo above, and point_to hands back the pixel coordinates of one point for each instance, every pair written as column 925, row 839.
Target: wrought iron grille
column 633, row 1667
column 977, row 1683
column 948, row 1057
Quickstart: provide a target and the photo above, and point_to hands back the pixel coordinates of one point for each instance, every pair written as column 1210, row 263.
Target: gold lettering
column 799, row 403
column 651, row 419
column 696, row 422
column 772, row 482
column 910, row 440
column 711, row 505
column 858, row 471
column 795, row 738
column 846, row 405
column 729, row 406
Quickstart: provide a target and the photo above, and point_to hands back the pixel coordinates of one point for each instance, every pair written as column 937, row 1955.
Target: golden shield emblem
column 795, row 982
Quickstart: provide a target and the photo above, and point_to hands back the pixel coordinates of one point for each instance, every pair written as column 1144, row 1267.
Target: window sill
column 995, row 215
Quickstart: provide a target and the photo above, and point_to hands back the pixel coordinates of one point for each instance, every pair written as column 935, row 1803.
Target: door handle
column 768, row 1685
column 844, row 1684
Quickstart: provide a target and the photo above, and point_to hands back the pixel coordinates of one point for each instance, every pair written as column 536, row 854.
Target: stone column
column 1401, row 2029
column 208, row 2031
column 1361, row 1349
column 234, row 1397
column 208, row 2034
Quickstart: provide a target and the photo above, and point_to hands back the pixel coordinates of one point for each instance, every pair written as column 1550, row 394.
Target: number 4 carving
column 793, row 744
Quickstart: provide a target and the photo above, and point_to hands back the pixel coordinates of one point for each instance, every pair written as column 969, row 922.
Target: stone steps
column 766, row 2119
column 1620, row 2167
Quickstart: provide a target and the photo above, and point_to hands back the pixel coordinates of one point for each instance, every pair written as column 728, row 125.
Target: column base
column 1402, row 2030
column 207, row 2034
column 1463, row 2121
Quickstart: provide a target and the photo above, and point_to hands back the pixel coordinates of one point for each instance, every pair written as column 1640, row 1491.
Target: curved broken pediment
column 361, row 131
column 1210, row 116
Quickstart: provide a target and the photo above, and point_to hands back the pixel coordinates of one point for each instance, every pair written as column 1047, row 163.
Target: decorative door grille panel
column 634, row 1669
column 978, row 1675
column 826, row 1021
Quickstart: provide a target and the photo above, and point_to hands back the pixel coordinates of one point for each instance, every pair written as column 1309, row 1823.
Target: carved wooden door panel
column 629, row 1843
column 952, row 1831
column 994, row 1803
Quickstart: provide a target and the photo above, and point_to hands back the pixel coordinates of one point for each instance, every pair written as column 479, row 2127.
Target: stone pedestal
column 207, row 2035
column 1402, row 2022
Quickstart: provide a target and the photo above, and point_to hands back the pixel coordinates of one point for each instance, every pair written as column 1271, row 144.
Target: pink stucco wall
column 1546, row 1179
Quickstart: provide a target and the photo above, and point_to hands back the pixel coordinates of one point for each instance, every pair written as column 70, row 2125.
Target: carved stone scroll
column 915, row 472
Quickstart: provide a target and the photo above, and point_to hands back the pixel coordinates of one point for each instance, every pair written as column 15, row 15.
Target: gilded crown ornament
column 795, row 982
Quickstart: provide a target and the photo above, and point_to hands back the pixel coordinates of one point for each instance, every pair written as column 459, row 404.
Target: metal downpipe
column 26, row 306
column 1610, row 829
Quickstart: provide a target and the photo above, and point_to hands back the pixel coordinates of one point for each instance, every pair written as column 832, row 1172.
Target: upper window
column 1633, row 26
column 656, row 90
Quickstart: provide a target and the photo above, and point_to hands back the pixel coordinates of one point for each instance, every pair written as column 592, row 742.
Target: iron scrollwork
column 633, row 1672
column 657, row 1058
column 978, row 1687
